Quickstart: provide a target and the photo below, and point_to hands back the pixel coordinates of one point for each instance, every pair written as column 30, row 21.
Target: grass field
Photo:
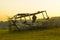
column 48, row 34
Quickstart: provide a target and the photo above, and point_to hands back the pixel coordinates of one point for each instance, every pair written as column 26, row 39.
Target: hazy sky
column 12, row 7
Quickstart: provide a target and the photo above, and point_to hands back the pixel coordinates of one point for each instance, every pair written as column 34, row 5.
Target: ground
column 48, row 34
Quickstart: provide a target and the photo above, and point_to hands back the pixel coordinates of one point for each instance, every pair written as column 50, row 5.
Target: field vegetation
column 47, row 34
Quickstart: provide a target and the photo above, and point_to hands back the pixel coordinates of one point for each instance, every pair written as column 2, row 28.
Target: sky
column 13, row 7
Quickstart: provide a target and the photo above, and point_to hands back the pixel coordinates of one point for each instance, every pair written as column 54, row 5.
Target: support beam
column 43, row 15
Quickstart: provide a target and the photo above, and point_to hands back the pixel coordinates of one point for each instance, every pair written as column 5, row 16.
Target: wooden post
column 43, row 15
column 29, row 17
column 47, row 15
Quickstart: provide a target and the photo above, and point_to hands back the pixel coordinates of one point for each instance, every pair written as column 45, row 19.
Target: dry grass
column 49, row 34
